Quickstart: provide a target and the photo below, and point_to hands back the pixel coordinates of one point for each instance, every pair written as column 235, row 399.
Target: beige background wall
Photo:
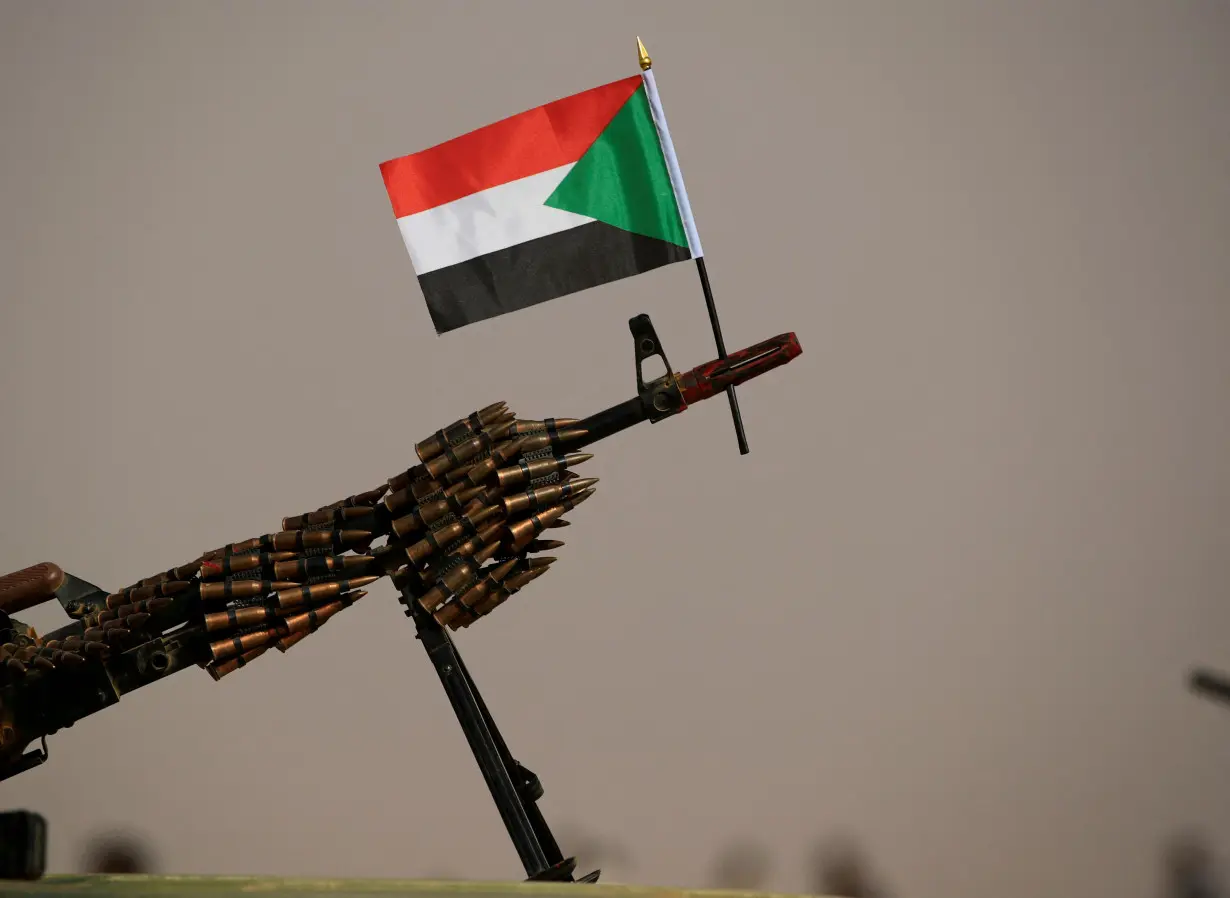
column 946, row 604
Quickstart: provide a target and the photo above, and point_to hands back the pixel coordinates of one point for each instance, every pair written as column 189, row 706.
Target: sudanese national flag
column 561, row 198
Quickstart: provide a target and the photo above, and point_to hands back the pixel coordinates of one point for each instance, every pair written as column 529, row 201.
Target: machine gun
column 458, row 534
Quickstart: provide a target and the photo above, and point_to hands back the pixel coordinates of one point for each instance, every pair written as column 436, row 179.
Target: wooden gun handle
column 29, row 587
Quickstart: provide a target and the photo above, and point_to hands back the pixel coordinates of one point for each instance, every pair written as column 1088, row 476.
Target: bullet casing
column 308, row 567
column 301, row 540
column 238, row 564
column 439, row 540
column 241, row 643
column 500, row 455
column 300, row 595
column 445, row 436
column 542, row 497
column 454, row 457
column 527, row 471
column 240, row 618
column 328, row 516
column 242, row 589
column 454, row 578
column 218, row 671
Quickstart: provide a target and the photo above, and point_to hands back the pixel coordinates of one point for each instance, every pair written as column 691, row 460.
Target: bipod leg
column 514, row 788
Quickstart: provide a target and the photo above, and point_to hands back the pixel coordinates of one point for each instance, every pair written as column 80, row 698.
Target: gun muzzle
column 737, row 368
column 673, row 393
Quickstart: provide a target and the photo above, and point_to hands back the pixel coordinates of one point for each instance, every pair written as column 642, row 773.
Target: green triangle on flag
column 622, row 178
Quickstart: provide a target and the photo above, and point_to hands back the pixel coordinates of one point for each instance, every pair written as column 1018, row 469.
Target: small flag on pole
column 558, row 199
column 570, row 195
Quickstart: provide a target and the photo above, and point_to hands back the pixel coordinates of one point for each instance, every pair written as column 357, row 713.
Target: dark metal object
column 1210, row 685
column 23, row 845
column 672, row 393
column 487, row 489
column 735, row 414
column 514, row 788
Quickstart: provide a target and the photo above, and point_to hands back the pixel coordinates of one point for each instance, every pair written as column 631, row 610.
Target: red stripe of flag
column 526, row 144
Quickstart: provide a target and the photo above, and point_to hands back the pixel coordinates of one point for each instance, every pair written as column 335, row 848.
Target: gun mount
column 463, row 531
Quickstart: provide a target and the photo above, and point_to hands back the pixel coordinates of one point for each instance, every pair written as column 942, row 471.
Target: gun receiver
column 463, row 531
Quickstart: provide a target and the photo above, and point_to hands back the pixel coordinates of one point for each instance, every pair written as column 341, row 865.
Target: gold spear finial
column 643, row 56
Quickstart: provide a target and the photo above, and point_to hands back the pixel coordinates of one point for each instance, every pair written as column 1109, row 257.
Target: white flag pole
column 689, row 224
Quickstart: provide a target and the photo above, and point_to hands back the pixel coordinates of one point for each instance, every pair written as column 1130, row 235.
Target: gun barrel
column 700, row 383
column 717, row 376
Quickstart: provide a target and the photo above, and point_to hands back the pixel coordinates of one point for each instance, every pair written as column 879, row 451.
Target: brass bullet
column 287, row 641
column 536, row 442
column 242, row 589
column 240, row 618
column 464, row 604
column 471, row 423
column 572, row 501
column 521, row 578
column 405, row 478
column 428, row 513
column 238, row 564
column 500, row 455
column 554, row 525
column 367, row 499
column 416, row 494
column 116, row 635
column 498, row 597
column 438, row 540
column 486, row 605
column 242, row 643
column 186, row 571
column 401, row 499
column 358, row 500
column 316, row 592
column 135, row 621
column 68, row 659
column 147, row 606
column 454, row 579
column 454, row 457
column 164, row 589
column 100, row 617
column 332, row 516
column 526, row 471
column 528, row 426
column 218, row 671
column 306, row 568
column 302, row 540
column 536, row 498
column 543, row 545
column 425, row 489
column 542, row 561
column 449, row 615
column 314, row 618
column 524, row 530
column 241, row 548
column 407, row 576
column 484, row 537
